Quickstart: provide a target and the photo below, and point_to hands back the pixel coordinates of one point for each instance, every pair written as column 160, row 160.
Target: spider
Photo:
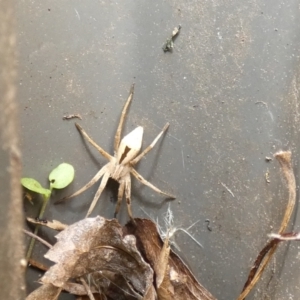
column 121, row 165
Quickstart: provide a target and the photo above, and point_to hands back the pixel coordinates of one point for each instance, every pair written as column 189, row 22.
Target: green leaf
column 61, row 176
column 33, row 185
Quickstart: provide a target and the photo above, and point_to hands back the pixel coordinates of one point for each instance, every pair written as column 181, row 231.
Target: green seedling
column 59, row 178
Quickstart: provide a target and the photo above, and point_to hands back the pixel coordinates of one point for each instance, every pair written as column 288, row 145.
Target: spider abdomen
column 130, row 146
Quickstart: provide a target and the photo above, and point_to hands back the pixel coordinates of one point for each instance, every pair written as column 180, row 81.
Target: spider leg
column 122, row 118
column 88, row 185
column 140, row 156
column 140, row 178
column 120, row 197
column 128, row 196
column 90, row 140
column 99, row 191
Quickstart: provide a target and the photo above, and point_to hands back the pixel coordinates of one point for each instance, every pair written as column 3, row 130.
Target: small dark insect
column 207, row 221
column 41, row 220
column 68, row 117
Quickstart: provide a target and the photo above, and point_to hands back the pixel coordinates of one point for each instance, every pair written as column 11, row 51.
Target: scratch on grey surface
column 262, row 102
column 77, row 14
column 228, row 189
column 172, row 136
column 182, row 158
column 271, row 115
column 267, row 107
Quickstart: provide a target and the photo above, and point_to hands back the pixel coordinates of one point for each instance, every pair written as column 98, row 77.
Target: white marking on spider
column 121, row 165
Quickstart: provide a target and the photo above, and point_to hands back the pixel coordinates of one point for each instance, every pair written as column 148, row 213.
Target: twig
column 284, row 159
column 34, row 236
column 38, row 265
column 56, row 225
column 88, row 290
column 290, row 236
column 36, row 229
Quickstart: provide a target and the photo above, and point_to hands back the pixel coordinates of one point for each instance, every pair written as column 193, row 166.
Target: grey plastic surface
column 230, row 91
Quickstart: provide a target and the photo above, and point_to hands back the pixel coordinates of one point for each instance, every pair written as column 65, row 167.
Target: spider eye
column 127, row 149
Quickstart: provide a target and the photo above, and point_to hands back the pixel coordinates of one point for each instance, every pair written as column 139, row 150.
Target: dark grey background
column 230, row 91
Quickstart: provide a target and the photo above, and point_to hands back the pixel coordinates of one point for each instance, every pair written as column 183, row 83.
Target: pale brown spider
column 122, row 163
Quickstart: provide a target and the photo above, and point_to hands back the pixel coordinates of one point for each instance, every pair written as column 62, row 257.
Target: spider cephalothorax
column 121, row 165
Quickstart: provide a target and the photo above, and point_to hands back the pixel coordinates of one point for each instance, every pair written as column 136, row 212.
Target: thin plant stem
column 36, row 229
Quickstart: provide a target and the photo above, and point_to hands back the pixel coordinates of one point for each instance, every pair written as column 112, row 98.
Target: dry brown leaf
column 105, row 255
column 97, row 297
column 166, row 290
column 49, row 291
column 151, row 294
column 178, row 277
column 95, row 246
column 76, row 289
